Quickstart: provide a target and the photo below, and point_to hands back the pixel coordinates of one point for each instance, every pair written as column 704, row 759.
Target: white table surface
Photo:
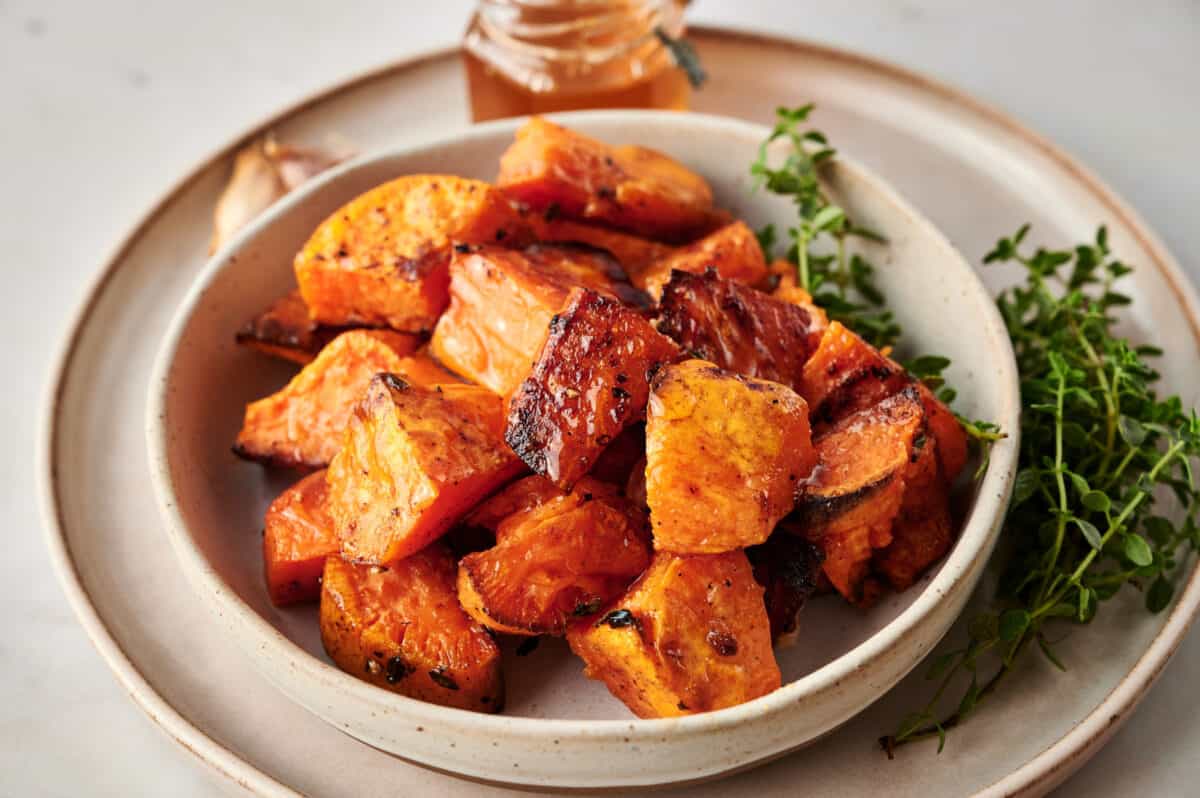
column 105, row 104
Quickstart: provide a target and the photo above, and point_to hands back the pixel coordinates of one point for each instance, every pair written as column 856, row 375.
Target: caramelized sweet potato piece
column 848, row 506
column 788, row 568
column 590, row 383
column 565, row 557
column 629, row 188
column 285, row 330
column 400, row 628
column 949, row 434
column 420, row 368
column 302, row 423
column 846, row 374
column 635, row 254
column 297, row 537
column 724, row 456
column 732, row 251
column 501, row 304
column 382, row 259
column 736, row 327
column 783, row 285
column 414, row 461
column 524, row 494
column 922, row 533
column 691, row 635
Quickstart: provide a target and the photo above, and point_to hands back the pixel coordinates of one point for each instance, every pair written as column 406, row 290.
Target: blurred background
column 108, row 104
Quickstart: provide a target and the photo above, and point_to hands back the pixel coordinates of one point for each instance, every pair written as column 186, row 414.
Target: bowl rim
column 979, row 530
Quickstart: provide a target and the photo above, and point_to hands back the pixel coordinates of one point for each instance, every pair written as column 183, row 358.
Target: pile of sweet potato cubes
column 579, row 402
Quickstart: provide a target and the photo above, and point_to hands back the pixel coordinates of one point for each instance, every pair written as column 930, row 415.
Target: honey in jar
column 536, row 56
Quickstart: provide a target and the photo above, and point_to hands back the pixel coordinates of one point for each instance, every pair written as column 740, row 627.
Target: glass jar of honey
column 536, row 56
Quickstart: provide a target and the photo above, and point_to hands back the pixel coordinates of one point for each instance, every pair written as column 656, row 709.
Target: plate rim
column 1043, row 770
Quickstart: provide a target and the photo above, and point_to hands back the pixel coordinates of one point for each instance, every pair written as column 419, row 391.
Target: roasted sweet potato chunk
column 736, row 327
column 949, row 434
column 414, row 461
column 501, row 304
column 302, row 423
column 622, row 457
column 382, row 259
column 691, row 635
column 590, row 383
column 731, row 251
column 724, row 456
column 846, row 374
column 788, row 568
column 565, row 557
column 298, row 535
column 400, row 628
column 848, row 506
column 634, row 253
column 629, row 188
column 285, row 330
column 922, row 532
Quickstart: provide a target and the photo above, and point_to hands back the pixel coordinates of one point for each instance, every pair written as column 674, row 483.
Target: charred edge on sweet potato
column 789, row 570
column 590, row 382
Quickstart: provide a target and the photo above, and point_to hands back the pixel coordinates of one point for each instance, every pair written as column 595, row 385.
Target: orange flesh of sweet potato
column 413, row 462
column 846, row 374
column 736, row 327
column 524, row 494
column 561, row 559
column 400, row 628
column 733, row 251
column 635, row 254
column 949, row 434
column 589, row 384
column 788, row 568
column 382, row 259
column 285, row 330
column 724, row 456
column 420, row 368
column 922, row 533
column 301, row 424
column 629, row 188
column 297, row 537
column 501, row 303
column 691, row 635
column 855, row 492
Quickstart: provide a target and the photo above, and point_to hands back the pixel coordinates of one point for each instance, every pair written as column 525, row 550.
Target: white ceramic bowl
column 561, row 730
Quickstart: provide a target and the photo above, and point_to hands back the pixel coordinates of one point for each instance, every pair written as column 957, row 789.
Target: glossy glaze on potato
column 400, row 628
column 413, row 462
column 855, row 493
column 383, row 258
column 301, row 424
column 589, row 384
column 560, row 559
column 691, row 635
column 724, row 456
column 298, row 535
column 629, row 188
column 782, row 283
column 736, row 327
column 732, row 251
column 501, row 304
column 285, row 330
column 845, row 374
column 952, row 451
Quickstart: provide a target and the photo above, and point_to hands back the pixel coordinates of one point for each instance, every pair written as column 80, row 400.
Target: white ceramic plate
column 975, row 173
column 558, row 729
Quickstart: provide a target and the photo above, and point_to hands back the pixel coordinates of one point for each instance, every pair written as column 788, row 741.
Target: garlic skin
column 264, row 171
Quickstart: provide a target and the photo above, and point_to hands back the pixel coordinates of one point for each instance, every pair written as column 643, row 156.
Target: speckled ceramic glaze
column 560, row 729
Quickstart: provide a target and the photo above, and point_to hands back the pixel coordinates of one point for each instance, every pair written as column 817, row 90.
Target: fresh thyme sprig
column 841, row 283
column 1100, row 456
